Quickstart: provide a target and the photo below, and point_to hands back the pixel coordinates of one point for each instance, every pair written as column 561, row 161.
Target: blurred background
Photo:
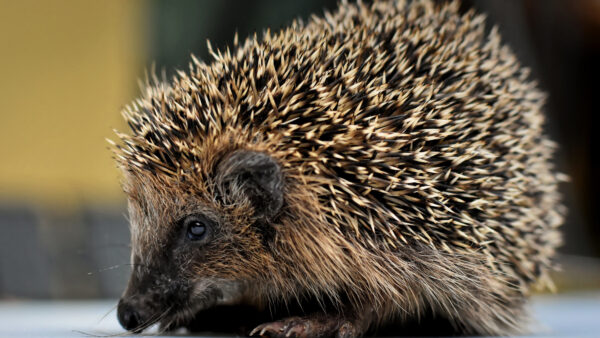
column 67, row 68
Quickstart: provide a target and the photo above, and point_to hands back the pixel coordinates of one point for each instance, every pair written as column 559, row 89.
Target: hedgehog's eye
column 196, row 227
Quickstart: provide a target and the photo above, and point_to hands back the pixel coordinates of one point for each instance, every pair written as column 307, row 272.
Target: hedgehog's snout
column 146, row 296
column 137, row 311
column 129, row 316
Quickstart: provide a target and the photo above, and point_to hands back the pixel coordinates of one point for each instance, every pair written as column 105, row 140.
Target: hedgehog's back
column 408, row 122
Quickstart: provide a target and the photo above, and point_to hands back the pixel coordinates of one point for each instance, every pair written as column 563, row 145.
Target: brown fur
column 416, row 174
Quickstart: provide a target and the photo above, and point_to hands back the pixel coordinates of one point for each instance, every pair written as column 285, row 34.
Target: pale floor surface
column 567, row 315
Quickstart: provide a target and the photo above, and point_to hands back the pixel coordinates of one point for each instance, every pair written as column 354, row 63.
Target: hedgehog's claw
column 271, row 328
column 304, row 327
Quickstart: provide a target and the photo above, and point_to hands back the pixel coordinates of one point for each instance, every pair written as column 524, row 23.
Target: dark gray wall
column 80, row 254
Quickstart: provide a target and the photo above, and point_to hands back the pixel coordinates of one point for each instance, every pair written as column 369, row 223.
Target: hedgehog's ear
column 256, row 175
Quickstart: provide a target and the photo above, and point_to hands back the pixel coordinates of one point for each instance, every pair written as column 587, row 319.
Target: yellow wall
column 66, row 69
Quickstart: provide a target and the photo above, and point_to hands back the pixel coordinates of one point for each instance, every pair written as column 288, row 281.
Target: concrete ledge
column 566, row 315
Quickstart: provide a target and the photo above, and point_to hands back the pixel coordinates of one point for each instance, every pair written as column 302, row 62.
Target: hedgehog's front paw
column 321, row 326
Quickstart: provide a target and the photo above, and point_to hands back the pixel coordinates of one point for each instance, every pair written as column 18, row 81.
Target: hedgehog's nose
column 129, row 318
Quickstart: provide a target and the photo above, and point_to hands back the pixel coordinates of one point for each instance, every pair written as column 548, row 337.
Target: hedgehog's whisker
column 114, row 307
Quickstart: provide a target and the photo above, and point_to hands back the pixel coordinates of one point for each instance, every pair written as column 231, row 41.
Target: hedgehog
column 377, row 167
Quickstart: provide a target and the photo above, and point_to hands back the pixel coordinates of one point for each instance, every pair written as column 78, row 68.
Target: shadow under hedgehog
column 372, row 168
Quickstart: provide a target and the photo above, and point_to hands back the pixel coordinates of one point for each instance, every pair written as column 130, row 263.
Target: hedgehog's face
column 194, row 249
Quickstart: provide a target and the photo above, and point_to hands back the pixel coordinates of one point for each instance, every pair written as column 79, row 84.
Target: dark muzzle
column 131, row 317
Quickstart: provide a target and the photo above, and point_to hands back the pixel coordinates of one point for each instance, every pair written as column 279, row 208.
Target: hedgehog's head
column 198, row 242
